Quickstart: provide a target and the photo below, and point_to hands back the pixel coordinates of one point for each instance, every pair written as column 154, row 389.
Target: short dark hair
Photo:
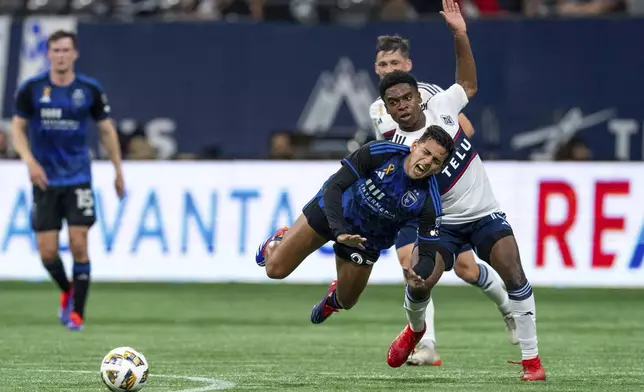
column 61, row 34
column 393, row 43
column 396, row 77
column 441, row 136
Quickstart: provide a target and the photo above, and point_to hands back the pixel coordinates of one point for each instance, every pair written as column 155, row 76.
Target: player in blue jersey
column 361, row 208
column 52, row 115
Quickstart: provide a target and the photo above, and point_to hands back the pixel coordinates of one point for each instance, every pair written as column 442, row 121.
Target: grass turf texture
column 259, row 337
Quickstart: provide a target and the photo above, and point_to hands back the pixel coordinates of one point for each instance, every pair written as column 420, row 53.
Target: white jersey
column 384, row 126
column 465, row 189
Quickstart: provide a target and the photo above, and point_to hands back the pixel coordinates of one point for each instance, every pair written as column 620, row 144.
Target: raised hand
column 452, row 14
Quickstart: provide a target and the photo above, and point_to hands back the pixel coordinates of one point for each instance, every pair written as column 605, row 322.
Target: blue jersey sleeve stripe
column 434, row 201
column 346, row 161
column 388, row 150
column 420, row 237
column 388, row 144
column 436, row 195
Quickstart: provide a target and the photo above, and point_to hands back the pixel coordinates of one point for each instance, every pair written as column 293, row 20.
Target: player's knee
column 466, row 268
column 48, row 254
column 78, row 247
column 404, row 258
column 275, row 270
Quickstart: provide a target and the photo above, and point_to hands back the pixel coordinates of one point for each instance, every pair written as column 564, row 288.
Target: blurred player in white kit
column 392, row 53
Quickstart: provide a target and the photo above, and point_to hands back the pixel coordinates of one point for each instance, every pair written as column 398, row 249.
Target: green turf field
column 258, row 337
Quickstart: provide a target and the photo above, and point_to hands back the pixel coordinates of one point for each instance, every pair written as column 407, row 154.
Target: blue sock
column 81, row 272
column 333, row 302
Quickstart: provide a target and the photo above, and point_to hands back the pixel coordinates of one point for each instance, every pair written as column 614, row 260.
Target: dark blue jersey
column 58, row 119
column 372, row 195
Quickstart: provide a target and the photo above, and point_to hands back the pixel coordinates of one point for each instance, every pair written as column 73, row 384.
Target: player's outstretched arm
column 428, row 270
column 465, row 65
column 357, row 165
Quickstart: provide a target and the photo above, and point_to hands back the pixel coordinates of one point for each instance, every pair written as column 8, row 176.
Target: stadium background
column 232, row 114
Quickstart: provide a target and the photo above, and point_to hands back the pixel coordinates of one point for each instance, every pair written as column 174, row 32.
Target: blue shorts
column 481, row 235
column 409, row 235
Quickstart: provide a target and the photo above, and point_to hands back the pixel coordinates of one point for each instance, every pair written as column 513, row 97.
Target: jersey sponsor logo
column 447, row 119
column 463, row 149
column 409, row 199
column 372, row 197
column 51, row 113
column 332, row 89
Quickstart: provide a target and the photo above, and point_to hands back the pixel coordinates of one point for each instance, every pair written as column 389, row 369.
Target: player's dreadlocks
column 394, row 78
column 442, row 138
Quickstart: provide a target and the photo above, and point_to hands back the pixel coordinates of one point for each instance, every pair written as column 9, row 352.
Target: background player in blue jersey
column 378, row 189
column 52, row 115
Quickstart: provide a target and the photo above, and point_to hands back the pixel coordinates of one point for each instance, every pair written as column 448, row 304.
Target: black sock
column 56, row 270
column 81, row 286
column 332, row 301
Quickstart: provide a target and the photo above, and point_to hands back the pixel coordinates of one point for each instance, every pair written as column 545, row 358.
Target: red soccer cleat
column 532, row 369
column 403, row 346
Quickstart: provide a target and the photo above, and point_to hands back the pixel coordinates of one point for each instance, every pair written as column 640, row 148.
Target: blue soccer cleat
column 260, row 256
column 75, row 322
column 322, row 310
column 66, row 306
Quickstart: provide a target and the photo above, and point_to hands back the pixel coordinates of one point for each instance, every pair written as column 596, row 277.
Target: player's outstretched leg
column 289, row 248
column 48, row 249
column 505, row 258
column 344, row 292
column 416, row 300
column 81, row 275
column 486, row 279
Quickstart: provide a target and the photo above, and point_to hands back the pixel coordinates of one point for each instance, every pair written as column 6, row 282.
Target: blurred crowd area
column 282, row 145
column 314, row 11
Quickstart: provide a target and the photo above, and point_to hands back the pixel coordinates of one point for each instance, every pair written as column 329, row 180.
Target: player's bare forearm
column 466, row 124
column 20, row 141
column 465, row 65
column 110, row 140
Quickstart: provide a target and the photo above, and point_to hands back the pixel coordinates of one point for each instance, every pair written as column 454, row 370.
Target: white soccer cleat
column 424, row 355
column 511, row 328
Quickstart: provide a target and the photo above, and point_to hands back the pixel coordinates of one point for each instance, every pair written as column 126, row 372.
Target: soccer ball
column 124, row 369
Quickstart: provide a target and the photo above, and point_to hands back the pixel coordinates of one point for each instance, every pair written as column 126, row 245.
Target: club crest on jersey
column 409, row 199
column 78, row 98
column 447, row 119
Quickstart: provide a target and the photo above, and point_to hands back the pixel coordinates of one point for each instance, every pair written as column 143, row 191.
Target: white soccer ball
column 124, row 369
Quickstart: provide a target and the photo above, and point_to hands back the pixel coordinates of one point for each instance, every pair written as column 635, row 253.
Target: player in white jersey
column 471, row 213
column 392, row 53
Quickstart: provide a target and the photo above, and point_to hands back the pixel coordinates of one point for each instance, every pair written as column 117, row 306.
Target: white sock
column 492, row 286
column 415, row 312
column 523, row 310
column 429, row 339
